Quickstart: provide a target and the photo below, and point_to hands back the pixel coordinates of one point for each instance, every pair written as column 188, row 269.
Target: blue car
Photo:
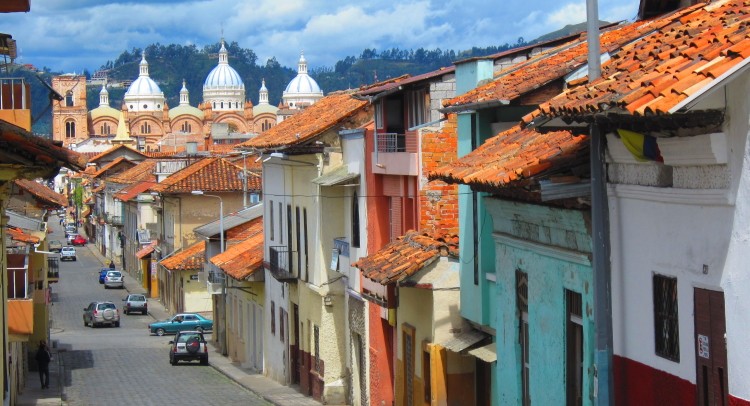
column 181, row 322
column 102, row 274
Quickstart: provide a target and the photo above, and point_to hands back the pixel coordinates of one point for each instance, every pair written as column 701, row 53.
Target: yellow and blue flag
column 643, row 147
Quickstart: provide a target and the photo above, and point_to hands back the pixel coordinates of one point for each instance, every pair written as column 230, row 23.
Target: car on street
column 103, row 274
column 55, row 246
column 71, row 229
column 100, row 313
column 69, row 238
column 135, row 303
column 79, row 240
column 188, row 346
column 68, row 253
column 114, row 279
column 181, row 322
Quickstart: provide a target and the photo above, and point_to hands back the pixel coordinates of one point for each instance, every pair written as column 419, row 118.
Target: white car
column 114, row 279
column 68, row 253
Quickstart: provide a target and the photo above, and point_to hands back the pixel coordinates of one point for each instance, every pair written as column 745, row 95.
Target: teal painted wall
column 552, row 247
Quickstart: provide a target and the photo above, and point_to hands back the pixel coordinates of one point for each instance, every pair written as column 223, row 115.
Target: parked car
column 68, row 253
column 103, row 274
column 79, row 240
column 135, row 303
column 188, row 346
column 181, row 322
column 114, row 279
column 69, row 238
column 100, row 313
column 55, row 246
column 71, row 229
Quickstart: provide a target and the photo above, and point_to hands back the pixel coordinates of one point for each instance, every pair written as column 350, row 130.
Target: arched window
column 69, row 99
column 145, row 106
column 145, row 128
column 214, row 105
column 186, row 128
column 70, row 129
column 105, row 129
column 222, row 105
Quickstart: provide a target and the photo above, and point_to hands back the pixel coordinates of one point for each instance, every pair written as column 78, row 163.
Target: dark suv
column 188, row 346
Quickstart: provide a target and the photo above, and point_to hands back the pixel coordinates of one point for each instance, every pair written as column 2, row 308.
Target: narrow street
column 122, row 365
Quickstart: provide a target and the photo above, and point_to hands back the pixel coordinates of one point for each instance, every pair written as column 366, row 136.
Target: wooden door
column 710, row 348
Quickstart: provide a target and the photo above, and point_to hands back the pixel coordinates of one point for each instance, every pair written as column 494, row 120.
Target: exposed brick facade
column 438, row 201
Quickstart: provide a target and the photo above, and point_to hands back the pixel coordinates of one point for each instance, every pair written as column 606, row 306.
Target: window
column 271, row 221
column 273, row 318
column 304, row 222
column 316, row 346
column 666, row 327
column 146, row 128
column 298, row 239
column 522, row 303
column 105, row 129
column 417, row 103
column 282, row 322
column 222, row 105
column 574, row 348
column 70, row 129
column 407, row 336
column 69, row 99
column 379, row 115
column 281, row 225
column 145, row 106
column 186, row 127
column 355, row 220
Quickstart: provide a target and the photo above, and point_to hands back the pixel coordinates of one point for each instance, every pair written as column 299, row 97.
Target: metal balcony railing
column 281, row 263
column 390, row 142
column 114, row 220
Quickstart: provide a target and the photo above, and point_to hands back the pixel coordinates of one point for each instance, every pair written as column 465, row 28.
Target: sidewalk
column 264, row 387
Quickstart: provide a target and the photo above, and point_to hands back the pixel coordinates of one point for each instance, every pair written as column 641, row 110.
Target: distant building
column 151, row 124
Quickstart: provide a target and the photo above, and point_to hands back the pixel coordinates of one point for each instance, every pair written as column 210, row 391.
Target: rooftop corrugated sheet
column 189, row 259
column 405, row 256
column 656, row 73
column 208, row 175
column 404, row 80
column 42, row 192
column 245, row 257
column 514, row 156
column 305, row 125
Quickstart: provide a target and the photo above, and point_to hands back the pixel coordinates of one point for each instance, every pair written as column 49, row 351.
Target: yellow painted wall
column 197, row 298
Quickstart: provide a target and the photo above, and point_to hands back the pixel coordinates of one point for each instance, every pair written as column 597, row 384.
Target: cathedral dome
column 302, row 90
column 144, row 94
column 223, row 88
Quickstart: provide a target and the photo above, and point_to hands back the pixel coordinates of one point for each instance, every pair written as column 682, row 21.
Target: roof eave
column 471, row 107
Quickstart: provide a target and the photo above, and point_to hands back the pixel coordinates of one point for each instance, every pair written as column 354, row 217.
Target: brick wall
column 438, row 201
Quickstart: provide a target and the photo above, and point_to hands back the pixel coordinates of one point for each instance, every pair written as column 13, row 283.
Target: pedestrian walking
column 112, row 265
column 43, row 357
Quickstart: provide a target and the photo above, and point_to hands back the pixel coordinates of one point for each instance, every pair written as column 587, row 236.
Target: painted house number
column 703, row 346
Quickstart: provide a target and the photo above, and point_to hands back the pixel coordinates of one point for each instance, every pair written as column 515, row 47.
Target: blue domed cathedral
column 146, row 122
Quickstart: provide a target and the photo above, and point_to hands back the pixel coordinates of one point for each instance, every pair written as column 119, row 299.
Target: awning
column 337, row 177
column 463, row 340
column 486, row 353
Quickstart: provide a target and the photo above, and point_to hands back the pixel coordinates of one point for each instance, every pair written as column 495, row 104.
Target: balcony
column 395, row 154
column 53, row 269
column 15, row 102
column 281, row 263
column 113, row 220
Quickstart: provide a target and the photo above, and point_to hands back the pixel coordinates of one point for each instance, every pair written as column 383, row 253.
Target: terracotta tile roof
column 42, row 192
column 99, row 188
column 208, row 175
column 16, row 234
column 147, row 250
column 405, row 256
column 511, row 83
column 403, row 80
column 245, row 257
column 304, row 126
column 655, row 74
column 144, row 171
column 243, row 231
column 22, row 147
column 190, row 259
column 131, row 191
column 161, row 154
column 106, row 169
column 112, row 150
column 516, row 155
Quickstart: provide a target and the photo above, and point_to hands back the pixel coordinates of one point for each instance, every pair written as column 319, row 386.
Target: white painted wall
column 675, row 232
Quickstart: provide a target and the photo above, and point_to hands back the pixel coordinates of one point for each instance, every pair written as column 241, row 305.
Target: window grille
column 666, row 326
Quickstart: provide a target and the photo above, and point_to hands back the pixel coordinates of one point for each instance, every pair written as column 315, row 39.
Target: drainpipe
column 603, row 377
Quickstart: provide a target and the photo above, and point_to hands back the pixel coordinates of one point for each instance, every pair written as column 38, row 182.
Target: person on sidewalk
column 112, row 265
column 43, row 357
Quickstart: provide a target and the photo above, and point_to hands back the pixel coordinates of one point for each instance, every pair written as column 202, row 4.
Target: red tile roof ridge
column 208, row 174
column 42, row 192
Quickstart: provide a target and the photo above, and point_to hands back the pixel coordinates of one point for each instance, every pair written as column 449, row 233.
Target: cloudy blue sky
column 70, row 35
